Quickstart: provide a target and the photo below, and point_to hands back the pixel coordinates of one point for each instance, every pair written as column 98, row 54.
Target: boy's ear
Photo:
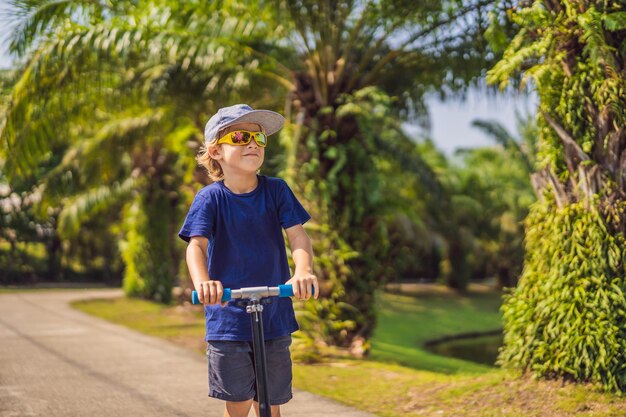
column 215, row 152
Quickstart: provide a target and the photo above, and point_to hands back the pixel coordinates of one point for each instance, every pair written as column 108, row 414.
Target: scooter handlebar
column 285, row 290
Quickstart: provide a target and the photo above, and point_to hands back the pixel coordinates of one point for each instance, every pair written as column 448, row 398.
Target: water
column 480, row 349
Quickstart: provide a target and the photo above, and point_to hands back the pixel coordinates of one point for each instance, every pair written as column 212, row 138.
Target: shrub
column 567, row 317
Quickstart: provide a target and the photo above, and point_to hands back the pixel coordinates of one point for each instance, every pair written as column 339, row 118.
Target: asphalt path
column 57, row 361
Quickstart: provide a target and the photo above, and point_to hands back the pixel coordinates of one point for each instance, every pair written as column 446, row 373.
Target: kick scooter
column 256, row 296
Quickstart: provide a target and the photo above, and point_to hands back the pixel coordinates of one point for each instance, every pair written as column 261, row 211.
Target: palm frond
column 596, row 47
column 81, row 208
column 497, row 132
column 94, row 58
column 91, row 157
column 37, row 18
column 614, row 21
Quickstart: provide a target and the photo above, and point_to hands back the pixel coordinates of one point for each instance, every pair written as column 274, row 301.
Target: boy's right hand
column 210, row 292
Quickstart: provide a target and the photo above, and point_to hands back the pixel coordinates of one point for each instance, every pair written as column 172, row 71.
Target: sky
column 450, row 121
column 5, row 60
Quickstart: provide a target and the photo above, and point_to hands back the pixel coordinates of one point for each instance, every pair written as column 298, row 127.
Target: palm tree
column 133, row 148
column 523, row 148
column 496, row 183
column 155, row 71
column 355, row 56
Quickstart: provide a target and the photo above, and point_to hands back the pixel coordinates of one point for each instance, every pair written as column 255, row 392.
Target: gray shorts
column 231, row 370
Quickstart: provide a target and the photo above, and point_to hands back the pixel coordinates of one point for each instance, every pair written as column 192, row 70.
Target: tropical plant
column 17, row 220
column 153, row 71
column 391, row 47
column 566, row 317
column 498, row 180
column 103, row 116
column 486, row 192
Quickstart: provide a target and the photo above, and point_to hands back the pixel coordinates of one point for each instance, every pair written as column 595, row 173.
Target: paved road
column 56, row 361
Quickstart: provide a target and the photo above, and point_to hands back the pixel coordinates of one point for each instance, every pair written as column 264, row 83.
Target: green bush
column 567, row 317
column 146, row 250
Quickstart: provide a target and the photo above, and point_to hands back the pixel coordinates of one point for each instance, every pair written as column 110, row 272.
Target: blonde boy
column 234, row 230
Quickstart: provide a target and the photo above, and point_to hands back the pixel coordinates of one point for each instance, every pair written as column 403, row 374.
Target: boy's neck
column 241, row 184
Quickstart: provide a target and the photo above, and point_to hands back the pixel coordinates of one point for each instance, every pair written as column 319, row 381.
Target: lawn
column 54, row 286
column 400, row 378
column 406, row 322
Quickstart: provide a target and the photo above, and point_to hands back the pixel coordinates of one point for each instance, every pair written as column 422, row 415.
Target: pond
column 474, row 348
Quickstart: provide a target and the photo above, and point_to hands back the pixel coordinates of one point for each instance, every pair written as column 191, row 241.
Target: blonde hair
column 214, row 169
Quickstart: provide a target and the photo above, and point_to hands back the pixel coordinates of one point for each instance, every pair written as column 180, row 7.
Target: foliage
column 492, row 192
column 574, row 53
column 84, row 56
column 473, row 221
column 336, row 223
column 566, row 318
column 112, row 93
column 358, row 66
column 145, row 243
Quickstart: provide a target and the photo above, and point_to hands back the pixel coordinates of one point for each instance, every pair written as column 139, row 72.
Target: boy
column 234, row 229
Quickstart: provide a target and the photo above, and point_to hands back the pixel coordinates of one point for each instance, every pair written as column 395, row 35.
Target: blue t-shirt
column 246, row 249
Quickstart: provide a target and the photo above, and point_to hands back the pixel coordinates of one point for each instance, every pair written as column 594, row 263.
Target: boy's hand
column 303, row 283
column 210, row 292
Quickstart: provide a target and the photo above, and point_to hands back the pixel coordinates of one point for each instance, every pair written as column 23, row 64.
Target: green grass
column 400, row 378
column 406, row 322
column 58, row 286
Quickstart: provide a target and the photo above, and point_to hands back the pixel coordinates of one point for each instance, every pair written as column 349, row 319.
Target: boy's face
column 239, row 159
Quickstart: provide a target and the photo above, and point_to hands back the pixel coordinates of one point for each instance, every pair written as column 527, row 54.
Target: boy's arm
column 209, row 291
column 303, row 279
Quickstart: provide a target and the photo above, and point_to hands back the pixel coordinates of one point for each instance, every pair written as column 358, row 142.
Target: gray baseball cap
column 242, row 113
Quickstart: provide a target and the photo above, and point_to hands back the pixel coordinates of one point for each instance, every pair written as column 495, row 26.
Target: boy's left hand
column 303, row 283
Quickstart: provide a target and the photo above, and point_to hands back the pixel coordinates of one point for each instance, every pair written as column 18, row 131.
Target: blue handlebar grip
column 226, row 296
column 286, row 290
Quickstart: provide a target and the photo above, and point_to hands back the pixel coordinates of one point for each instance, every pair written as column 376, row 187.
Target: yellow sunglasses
column 243, row 137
